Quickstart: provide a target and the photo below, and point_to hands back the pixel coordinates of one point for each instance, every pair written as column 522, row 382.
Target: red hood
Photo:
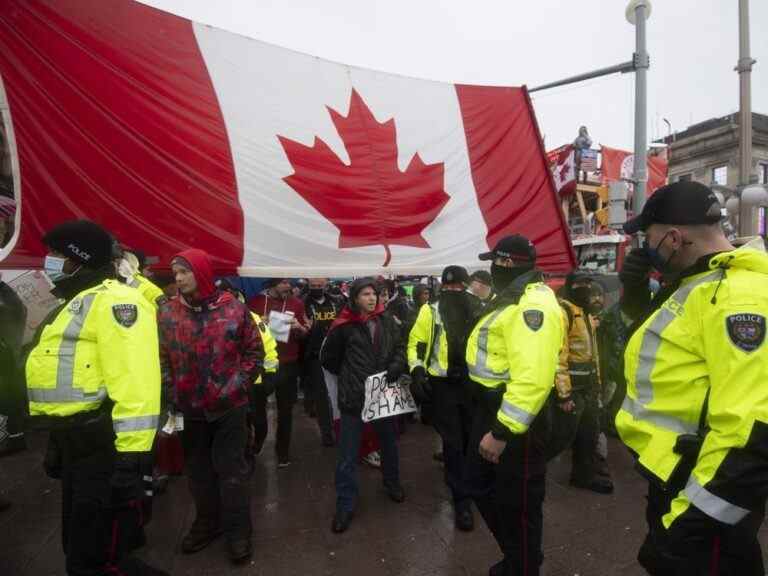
column 347, row 316
column 200, row 264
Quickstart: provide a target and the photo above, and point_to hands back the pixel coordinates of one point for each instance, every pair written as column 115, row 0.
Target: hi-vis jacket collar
column 745, row 258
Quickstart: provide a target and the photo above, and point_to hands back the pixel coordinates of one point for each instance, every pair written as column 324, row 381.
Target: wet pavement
column 585, row 534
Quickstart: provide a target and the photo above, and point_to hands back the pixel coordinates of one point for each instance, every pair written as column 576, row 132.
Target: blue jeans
column 347, row 482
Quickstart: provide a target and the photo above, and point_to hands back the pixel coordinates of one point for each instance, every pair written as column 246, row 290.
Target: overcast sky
column 693, row 46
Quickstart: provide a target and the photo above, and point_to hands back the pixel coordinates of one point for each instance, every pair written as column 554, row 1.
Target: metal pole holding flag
column 638, row 12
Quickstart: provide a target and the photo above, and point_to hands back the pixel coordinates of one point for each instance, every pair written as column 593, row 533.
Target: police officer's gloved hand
column 420, row 387
column 268, row 383
column 126, row 478
column 636, row 268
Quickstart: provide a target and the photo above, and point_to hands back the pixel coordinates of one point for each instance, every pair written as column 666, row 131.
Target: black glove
column 637, row 266
column 393, row 375
column 127, row 484
column 267, row 385
column 420, row 385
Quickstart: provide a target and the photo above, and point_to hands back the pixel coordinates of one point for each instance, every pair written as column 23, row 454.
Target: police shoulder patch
column 533, row 319
column 746, row 331
column 262, row 327
column 125, row 314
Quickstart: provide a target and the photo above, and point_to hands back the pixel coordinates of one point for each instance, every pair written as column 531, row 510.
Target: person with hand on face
column 363, row 341
column 695, row 416
column 93, row 381
column 578, row 387
column 279, row 298
column 436, row 356
column 211, row 352
column 322, row 311
column 512, row 355
column 481, row 285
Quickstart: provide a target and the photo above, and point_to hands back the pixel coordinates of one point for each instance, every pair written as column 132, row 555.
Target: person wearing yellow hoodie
column 696, row 411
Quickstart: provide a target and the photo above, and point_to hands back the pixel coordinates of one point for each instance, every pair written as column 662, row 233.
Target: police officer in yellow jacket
column 93, row 380
column 512, row 354
column 437, row 346
column 696, row 411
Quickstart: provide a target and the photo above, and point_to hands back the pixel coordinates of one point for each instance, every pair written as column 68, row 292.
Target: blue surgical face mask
column 657, row 260
column 54, row 268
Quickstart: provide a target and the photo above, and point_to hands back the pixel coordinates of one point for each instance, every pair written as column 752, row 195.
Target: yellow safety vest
column 103, row 344
column 270, row 347
column 147, row 289
column 428, row 330
column 579, row 354
column 706, row 340
column 517, row 347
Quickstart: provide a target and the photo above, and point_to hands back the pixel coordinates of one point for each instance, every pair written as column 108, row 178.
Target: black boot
column 240, row 551
column 341, row 521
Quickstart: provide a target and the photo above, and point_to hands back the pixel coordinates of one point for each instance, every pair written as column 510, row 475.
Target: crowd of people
column 509, row 371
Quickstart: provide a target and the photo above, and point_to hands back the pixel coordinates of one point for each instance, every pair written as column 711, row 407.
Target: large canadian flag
column 175, row 134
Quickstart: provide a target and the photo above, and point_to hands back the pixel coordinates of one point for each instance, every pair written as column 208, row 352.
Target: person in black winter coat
column 363, row 341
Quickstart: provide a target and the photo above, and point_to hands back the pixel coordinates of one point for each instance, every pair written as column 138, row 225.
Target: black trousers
column 452, row 418
column 320, row 400
column 587, row 433
column 286, row 392
column 219, row 474
column 97, row 533
column 714, row 548
column 510, row 494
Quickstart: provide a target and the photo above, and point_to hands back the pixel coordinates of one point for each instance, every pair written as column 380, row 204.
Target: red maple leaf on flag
column 370, row 200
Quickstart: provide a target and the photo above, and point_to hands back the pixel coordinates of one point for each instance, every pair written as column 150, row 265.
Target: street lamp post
column 638, row 12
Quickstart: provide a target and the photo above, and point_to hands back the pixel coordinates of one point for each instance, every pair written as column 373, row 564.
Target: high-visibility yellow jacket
column 427, row 343
column 147, row 289
column 270, row 347
column 579, row 353
column 702, row 358
column 516, row 347
column 103, row 344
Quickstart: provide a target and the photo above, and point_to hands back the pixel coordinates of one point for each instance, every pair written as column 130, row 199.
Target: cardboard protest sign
column 34, row 289
column 384, row 399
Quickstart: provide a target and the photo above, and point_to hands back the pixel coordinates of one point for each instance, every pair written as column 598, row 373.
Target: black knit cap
column 82, row 241
column 454, row 275
column 681, row 203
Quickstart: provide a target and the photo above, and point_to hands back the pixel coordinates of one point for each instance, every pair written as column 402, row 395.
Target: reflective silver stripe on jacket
column 434, row 356
column 640, row 412
column 712, row 505
column 271, row 364
column 649, row 347
column 134, row 283
column 480, row 367
column 135, row 423
column 65, row 390
column 516, row 413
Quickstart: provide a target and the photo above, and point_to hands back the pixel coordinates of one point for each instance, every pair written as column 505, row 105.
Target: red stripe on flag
column 116, row 120
column 509, row 166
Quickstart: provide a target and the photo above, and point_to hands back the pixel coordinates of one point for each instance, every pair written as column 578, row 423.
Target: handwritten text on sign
column 384, row 399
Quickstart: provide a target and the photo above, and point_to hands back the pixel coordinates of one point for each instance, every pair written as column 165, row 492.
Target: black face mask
column 503, row 276
column 316, row 293
column 580, row 296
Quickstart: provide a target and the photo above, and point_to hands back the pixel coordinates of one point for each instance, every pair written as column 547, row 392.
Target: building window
column 762, row 173
column 720, row 175
column 685, row 177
